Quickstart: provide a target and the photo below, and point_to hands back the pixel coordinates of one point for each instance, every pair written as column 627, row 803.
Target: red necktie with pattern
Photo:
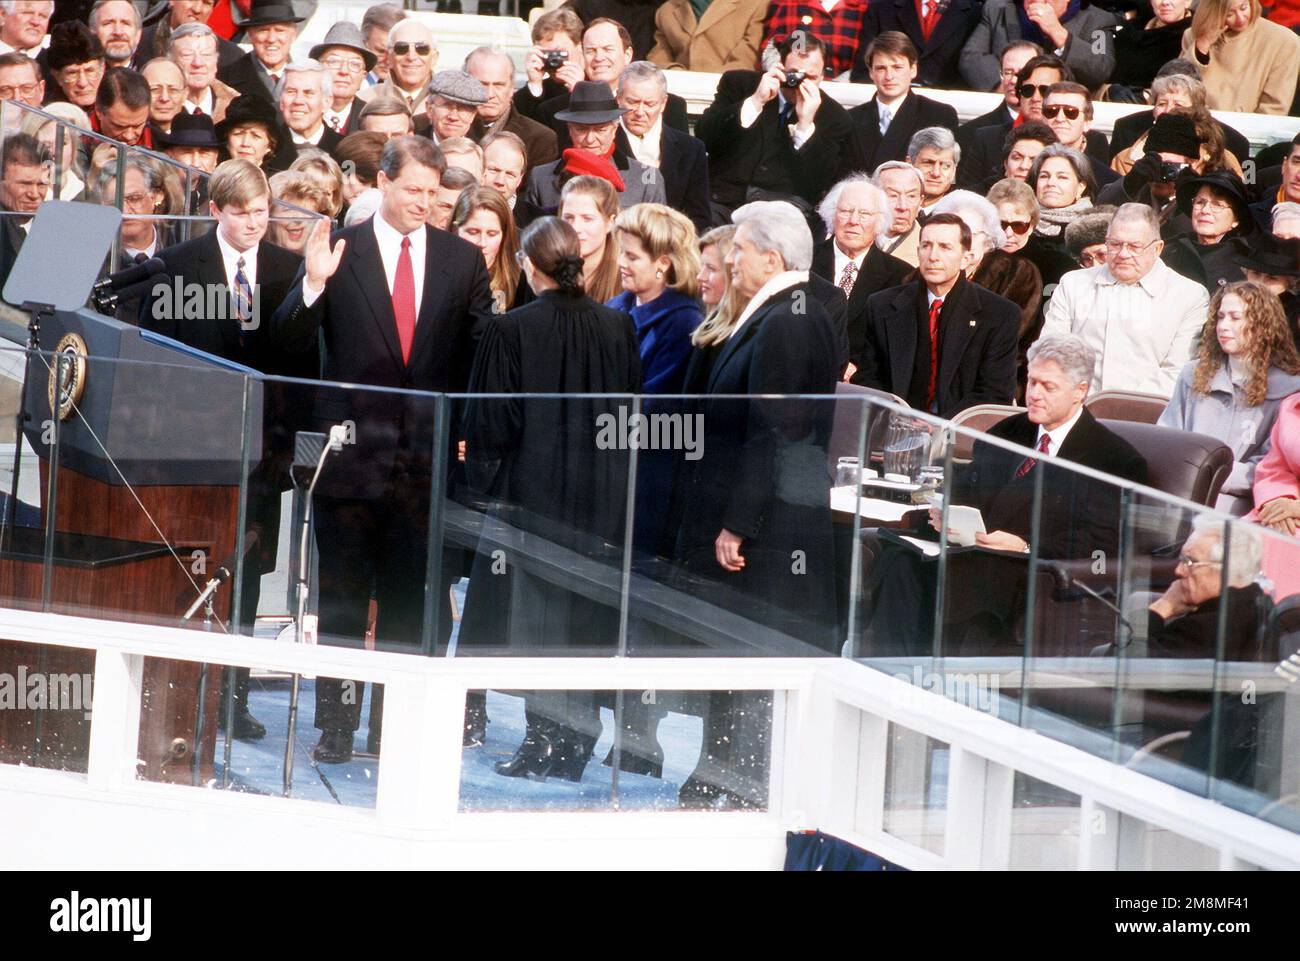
column 404, row 300
column 934, row 351
column 1043, row 443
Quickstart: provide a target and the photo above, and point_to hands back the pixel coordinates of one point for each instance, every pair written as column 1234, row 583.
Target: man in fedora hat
column 591, row 120
column 452, row 105
column 344, row 54
column 271, row 29
column 191, row 141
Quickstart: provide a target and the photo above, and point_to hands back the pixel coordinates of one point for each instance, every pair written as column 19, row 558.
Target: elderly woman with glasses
column 1246, row 365
column 1219, row 210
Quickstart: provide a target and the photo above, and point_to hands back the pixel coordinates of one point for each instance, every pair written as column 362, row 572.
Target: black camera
column 553, row 60
column 793, row 78
column 1170, row 169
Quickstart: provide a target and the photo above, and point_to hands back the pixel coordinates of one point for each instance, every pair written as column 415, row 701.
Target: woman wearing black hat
column 252, row 130
column 540, row 468
column 1219, row 210
column 1275, row 263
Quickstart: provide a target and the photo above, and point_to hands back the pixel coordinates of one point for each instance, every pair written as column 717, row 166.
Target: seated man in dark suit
column 939, row 34
column 678, row 157
column 1067, row 109
column 1014, row 56
column 1076, row 516
column 252, row 277
column 941, row 343
column 856, row 211
column 493, row 68
column 767, row 138
column 883, row 126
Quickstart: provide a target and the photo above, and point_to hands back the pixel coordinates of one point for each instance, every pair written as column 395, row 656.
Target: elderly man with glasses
column 345, row 55
column 1138, row 314
column 412, row 58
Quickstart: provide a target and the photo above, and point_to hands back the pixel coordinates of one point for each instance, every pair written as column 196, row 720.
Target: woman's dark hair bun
column 552, row 246
column 568, row 274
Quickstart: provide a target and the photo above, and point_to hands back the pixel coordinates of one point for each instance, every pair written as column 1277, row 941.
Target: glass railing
column 547, row 526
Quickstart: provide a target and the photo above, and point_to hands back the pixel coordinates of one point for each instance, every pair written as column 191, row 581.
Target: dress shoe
column 247, row 727
column 647, row 760
column 533, row 758
column 335, row 747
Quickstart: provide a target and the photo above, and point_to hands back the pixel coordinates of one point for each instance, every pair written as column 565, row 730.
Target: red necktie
column 404, row 300
column 934, row 351
column 930, row 19
column 1029, row 462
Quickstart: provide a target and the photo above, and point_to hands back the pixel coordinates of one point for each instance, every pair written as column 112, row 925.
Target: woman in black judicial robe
column 553, row 488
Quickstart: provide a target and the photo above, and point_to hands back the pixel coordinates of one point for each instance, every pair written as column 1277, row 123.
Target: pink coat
column 1278, row 475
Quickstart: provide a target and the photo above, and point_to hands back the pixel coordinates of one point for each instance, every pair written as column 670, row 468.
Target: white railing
column 841, row 736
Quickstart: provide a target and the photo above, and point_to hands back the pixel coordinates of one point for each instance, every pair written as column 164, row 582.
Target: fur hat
column 72, row 42
column 1088, row 229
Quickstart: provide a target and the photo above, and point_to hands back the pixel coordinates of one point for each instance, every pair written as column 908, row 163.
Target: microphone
column 223, row 573
column 1073, row 582
column 130, row 276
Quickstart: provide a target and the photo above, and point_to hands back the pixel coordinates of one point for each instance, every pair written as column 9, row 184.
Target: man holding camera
column 774, row 135
column 1173, row 149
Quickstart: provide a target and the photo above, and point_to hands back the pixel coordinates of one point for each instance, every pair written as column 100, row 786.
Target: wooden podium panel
column 110, row 562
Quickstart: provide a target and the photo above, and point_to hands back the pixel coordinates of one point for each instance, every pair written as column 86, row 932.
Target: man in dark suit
column 941, row 343
column 1019, row 497
column 767, row 139
column 25, row 174
column 493, row 68
column 304, row 95
column 344, row 54
column 557, row 40
column 883, row 126
column 1014, row 56
column 856, row 211
column 250, row 278
column 155, row 37
column 399, row 305
column 938, row 33
column 984, row 153
column 271, row 30
column 679, row 157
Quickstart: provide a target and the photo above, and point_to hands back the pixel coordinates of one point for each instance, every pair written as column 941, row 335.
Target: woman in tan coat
column 726, row 37
column 1247, row 63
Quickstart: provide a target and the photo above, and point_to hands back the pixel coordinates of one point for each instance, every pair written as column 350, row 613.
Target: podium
column 153, row 439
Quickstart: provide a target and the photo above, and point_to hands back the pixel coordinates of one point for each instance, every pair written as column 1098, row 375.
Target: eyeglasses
column 1091, row 259
column 1192, row 564
column 1016, row 226
column 402, row 48
column 1207, row 203
column 26, row 90
column 354, row 65
column 1026, row 90
column 1122, row 247
column 1071, row 113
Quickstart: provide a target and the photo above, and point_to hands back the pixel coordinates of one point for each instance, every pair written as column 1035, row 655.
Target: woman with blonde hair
column 1248, row 64
column 325, row 172
column 482, row 217
column 659, row 266
column 290, row 228
column 72, row 181
column 589, row 205
column 1245, row 367
column 716, row 291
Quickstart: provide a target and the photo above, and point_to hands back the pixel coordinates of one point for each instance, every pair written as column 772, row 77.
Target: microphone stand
column 1072, row 581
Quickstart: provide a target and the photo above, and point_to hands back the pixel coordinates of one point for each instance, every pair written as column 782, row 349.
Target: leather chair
column 1127, row 405
column 853, row 405
column 982, row 418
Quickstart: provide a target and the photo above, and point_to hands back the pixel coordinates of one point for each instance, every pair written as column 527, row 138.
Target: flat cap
column 458, row 87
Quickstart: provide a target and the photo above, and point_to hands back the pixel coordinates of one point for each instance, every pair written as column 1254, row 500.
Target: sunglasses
column 402, row 48
column 1071, row 113
column 1016, row 226
column 1026, row 90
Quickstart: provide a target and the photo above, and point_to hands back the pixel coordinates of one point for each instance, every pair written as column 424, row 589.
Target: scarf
column 1030, row 31
column 1052, row 223
column 699, row 6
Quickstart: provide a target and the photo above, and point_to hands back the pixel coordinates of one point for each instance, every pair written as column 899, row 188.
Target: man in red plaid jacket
column 836, row 23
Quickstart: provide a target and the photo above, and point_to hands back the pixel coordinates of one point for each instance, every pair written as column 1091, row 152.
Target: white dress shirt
column 646, row 149
column 390, row 249
column 207, row 104
column 1057, row 436
column 338, row 118
column 230, row 260
column 1143, row 333
column 130, row 253
column 313, row 140
column 842, row 259
column 774, row 285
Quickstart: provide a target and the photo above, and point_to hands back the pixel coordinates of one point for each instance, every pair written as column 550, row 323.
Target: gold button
column 806, row 20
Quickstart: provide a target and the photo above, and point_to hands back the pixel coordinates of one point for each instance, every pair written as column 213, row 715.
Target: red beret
column 584, row 162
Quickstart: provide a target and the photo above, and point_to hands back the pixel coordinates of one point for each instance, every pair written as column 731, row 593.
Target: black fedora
column 1267, row 254
column 1225, row 182
column 264, row 13
column 189, row 130
column 590, row 102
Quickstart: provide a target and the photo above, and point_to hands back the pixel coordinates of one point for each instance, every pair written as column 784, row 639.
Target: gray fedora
column 345, row 34
column 591, row 102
